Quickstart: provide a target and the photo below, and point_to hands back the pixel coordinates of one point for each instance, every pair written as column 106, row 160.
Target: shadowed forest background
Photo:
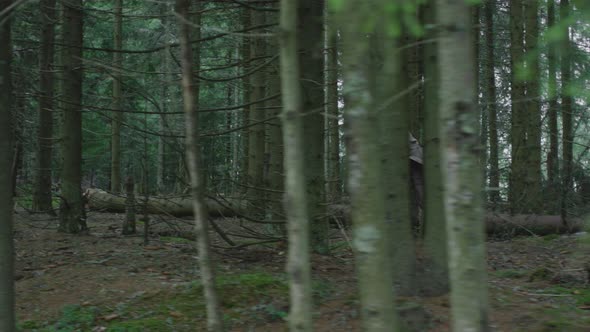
column 269, row 165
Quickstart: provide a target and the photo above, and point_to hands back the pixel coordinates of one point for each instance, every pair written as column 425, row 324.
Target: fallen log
column 175, row 206
column 498, row 224
column 530, row 224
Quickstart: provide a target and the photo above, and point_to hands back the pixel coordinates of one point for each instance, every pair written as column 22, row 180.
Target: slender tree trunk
column 567, row 110
column 518, row 171
column 553, row 154
column 373, row 221
column 333, row 189
column 435, row 239
column 256, row 115
column 42, row 198
column 7, row 307
column 71, row 220
column 533, row 111
column 490, row 100
column 413, row 74
column 129, row 223
column 275, row 141
column 311, row 42
column 190, row 92
column 296, row 205
column 163, row 127
column 117, row 100
column 246, row 55
column 459, row 121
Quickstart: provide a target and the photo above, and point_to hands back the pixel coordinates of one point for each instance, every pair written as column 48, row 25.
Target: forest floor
column 107, row 282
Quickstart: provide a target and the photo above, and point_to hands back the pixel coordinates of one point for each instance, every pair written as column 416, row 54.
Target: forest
column 294, row 165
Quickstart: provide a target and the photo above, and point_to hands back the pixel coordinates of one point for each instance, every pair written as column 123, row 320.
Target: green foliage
column 510, row 273
column 171, row 239
column 73, row 318
column 541, row 273
column 140, row 325
column 551, row 237
column 336, row 5
column 580, row 295
column 321, row 289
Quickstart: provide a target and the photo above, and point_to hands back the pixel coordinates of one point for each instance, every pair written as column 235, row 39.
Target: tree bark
column 190, row 92
column 567, row 110
column 117, row 119
column 42, row 199
column 394, row 126
column 275, row 176
column 553, row 154
column 534, row 194
column 7, row 306
column 246, row 54
column 71, row 220
column 176, row 206
column 130, row 203
column 490, row 102
column 256, row 115
column 296, row 202
column 435, row 239
column 311, row 42
column 333, row 178
column 518, row 166
column 459, row 121
column 374, row 222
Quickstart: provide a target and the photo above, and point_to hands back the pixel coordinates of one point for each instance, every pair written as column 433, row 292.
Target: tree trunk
column 275, row 176
column 296, row 202
column 256, row 115
column 490, row 102
column 163, row 127
column 190, row 93
column 71, row 220
column 117, row 99
column 246, row 55
column 333, row 189
column 373, row 221
column 534, row 194
column 459, row 121
column 518, row 166
column 7, row 307
column 435, row 239
column 130, row 203
column 42, row 198
column 311, row 42
column 394, row 126
column 553, row 154
column 567, row 110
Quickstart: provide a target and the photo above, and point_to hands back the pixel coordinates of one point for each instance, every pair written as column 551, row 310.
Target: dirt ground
column 107, row 282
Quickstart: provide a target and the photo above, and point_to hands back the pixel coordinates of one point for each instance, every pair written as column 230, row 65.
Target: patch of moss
column 72, row 318
column 172, row 239
column 140, row 325
column 28, row 325
column 565, row 319
column 510, row 273
column 551, row 237
column 541, row 273
column 580, row 295
column 321, row 289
